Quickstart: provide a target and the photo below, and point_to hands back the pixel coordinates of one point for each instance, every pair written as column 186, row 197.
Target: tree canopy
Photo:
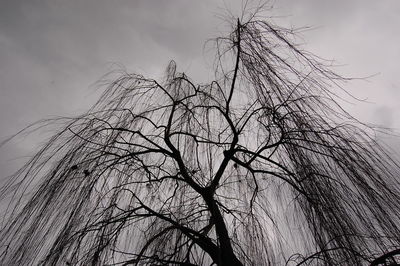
column 261, row 166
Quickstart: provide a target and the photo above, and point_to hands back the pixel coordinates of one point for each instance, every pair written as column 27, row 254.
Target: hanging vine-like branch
column 259, row 167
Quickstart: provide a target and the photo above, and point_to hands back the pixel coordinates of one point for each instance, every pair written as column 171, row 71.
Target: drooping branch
column 257, row 165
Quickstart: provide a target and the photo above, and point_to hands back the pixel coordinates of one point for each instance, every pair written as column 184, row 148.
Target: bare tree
column 259, row 167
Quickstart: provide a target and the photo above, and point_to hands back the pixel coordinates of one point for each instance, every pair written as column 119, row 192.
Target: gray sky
column 53, row 51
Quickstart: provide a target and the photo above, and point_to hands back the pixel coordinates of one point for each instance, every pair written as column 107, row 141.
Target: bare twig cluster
column 259, row 167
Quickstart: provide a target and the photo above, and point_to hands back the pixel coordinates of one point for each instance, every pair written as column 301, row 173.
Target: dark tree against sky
column 259, row 167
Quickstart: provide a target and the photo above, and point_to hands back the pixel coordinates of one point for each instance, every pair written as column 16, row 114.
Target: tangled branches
column 259, row 167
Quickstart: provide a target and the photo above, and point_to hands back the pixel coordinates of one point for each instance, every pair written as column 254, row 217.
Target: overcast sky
column 53, row 51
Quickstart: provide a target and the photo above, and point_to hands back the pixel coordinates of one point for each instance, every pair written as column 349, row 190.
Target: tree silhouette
column 259, row 167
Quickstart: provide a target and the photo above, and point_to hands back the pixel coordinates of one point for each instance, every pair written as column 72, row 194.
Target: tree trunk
column 226, row 255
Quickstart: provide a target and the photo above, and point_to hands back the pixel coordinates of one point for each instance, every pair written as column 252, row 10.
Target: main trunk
column 226, row 256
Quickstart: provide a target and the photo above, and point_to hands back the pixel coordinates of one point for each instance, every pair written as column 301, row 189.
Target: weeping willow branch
column 259, row 167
